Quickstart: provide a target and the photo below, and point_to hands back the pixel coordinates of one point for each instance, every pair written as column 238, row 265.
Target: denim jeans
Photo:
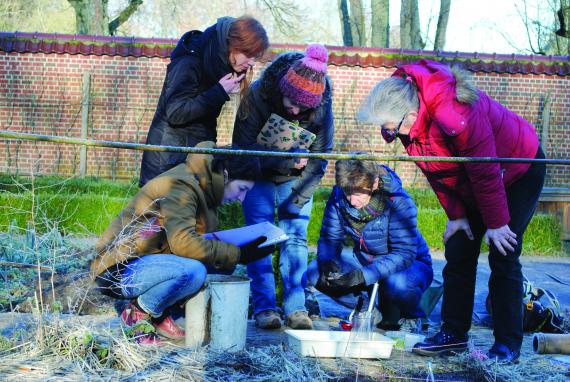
column 259, row 206
column 505, row 283
column 159, row 281
column 400, row 292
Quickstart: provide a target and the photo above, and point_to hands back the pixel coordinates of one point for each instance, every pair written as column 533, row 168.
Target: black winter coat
column 263, row 99
column 191, row 99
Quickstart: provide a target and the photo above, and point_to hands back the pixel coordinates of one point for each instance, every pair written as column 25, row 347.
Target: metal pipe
column 543, row 343
column 203, row 150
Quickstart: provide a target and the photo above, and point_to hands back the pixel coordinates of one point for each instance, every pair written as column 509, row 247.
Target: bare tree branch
column 285, row 14
column 124, row 15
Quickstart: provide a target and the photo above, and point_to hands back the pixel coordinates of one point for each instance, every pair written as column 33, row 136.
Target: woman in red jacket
column 436, row 111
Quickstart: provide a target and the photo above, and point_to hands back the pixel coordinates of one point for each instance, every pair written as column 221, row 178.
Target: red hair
column 247, row 36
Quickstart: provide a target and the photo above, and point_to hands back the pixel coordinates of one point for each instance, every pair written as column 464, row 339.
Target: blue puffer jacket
column 388, row 244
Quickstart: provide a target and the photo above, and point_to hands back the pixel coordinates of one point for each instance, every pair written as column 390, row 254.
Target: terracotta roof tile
column 344, row 56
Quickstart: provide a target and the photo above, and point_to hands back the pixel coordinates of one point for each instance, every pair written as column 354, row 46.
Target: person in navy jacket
column 369, row 204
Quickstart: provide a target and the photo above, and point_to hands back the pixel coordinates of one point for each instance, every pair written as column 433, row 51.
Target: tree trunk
column 380, row 21
column 442, row 20
column 416, row 36
column 91, row 16
column 405, row 25
column 357, row 22
column 410, row 36
column 345, row 23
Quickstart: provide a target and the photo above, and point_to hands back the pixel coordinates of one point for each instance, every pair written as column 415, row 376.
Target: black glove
column 288, row 210
column 350, row 281
column 326, row 268
column 250, row 252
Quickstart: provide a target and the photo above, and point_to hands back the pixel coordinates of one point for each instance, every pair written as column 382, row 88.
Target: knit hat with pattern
column 304, row 82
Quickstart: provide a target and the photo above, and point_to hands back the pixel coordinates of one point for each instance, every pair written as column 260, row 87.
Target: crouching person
column 154, row 254
column 369, row 204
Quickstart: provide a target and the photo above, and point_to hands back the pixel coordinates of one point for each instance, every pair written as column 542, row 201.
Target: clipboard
column 247, row 234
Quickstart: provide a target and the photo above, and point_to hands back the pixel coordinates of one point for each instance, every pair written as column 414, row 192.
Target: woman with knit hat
column 205, row 67
column 295, row 87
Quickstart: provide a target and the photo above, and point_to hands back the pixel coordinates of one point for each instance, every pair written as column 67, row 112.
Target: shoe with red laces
column 132, row 314
column 169, row 329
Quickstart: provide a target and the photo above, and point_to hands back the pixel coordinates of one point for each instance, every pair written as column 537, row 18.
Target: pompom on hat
column 304, row 82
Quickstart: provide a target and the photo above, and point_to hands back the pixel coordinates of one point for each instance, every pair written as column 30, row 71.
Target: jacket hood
column 269, row 81
column 211, row 45
column 391, row 182
column 211, row 180
column 436, row 86
column 435, row 81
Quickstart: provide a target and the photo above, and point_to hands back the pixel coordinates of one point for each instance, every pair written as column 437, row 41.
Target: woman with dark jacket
column 369, row 205
column 436, row 111
column 205, row 67
column 153, row 253
column 296, row 88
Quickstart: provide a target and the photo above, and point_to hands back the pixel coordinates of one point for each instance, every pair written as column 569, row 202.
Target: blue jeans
column 400, row 292
column 259, row 206
column 159, row 281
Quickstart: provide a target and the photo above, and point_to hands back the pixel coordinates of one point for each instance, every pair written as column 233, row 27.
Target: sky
column 474, row 25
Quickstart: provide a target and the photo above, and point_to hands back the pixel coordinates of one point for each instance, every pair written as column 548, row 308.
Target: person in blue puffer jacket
column 369, row 204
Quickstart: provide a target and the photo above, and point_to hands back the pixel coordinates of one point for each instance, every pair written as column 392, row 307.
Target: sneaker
column 268, row 319
column 132, row 314
column 440, row 344
column 169, row 329
column 150, row 339
column 299, row 320
column 502, row 353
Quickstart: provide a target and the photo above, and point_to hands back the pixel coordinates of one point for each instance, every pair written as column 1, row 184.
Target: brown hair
column 246, row 35
column 353, row 175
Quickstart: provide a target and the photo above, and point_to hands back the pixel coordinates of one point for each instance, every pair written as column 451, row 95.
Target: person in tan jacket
column 154, row 254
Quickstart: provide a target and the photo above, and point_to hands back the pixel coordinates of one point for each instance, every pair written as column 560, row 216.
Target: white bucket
column 218, row 314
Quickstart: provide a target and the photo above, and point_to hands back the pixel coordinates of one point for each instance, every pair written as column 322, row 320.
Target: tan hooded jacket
column 169, row 215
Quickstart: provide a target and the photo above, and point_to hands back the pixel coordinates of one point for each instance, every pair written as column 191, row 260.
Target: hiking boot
column 169, row 329
column 133, row 314
column 502, row 353
column 268, row 319
column 388, row 326
column 299, row 320
column 441, row 344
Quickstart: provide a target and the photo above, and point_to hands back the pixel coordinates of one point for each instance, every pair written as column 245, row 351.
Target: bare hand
column 502, row 237
column 301, row 163
column 230, row 82
column 453, row 226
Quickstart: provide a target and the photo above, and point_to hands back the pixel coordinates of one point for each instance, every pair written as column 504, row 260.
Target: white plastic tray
column 331, row 344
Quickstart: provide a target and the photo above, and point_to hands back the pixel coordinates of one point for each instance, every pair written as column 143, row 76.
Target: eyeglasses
column 390, row 134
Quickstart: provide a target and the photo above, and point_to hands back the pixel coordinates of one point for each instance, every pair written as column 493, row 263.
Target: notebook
column 280, row 134
column 247, row 234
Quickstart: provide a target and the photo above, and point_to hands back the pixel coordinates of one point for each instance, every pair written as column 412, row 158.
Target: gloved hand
column 351, row 280
column 325, row 270
column 250, row 252
column 288, row 209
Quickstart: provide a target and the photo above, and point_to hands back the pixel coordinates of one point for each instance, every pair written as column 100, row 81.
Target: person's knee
column 193, row 275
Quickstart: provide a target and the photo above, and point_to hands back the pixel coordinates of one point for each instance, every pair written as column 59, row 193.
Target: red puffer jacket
column 445, row 127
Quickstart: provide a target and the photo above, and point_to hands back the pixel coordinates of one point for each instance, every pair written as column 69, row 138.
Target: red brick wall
column 41, row 93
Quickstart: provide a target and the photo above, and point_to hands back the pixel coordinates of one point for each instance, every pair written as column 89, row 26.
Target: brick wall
column 42, row 93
